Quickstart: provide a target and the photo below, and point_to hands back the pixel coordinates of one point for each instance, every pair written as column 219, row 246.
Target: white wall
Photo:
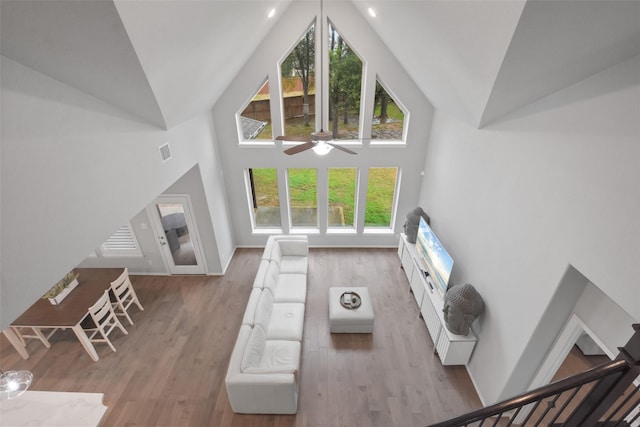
column 74, row 169
column 379, row 62
column 551, row 185
column 151, row 262
column 605, row 319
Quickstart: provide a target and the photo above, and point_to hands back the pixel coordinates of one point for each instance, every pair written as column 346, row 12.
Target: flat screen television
column 434, row 256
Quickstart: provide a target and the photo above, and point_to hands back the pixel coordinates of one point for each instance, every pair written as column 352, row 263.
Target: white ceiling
column 166, row 61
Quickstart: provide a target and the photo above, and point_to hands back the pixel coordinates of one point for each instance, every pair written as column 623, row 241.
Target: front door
column 177, row 234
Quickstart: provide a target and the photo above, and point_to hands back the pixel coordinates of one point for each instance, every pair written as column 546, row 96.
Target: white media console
column 453, row 349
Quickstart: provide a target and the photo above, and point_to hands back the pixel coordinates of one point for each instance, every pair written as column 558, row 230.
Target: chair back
column 122, row 285
column 105, row 319
column 101, row 311
column 125, row 295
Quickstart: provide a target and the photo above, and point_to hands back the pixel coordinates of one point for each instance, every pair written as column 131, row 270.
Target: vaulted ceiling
column 167, row 61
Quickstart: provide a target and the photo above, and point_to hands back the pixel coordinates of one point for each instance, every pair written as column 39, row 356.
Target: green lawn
column 302, row 183
column 382, row 184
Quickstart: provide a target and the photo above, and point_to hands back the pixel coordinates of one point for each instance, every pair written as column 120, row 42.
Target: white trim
column 559, row 351
column 561, row 347
column 382, row 230
column 343, row 231
column 572, row 330
column 152, row 211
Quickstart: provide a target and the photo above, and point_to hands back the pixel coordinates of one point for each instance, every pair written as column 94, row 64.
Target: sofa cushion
column 291, row 256
column 276, row 252
column 286, row 322
column 291, row 288
column 258, row 282
column 281, row 353
column 293, row 247
column 271, row 277
column 264, row 309
column 280, row 321
column 276, row 239
column 250, row 311
column 278, row 356
column 255, row 348
column 293, row 264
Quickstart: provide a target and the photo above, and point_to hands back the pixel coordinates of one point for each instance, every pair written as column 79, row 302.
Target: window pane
column 388, row 117
column 345, row 79
column 122, row 243
column 380, row 197
column 298, row 87
column 264, row 197
column 342, row 196
column 177, row 233
column 303, row 197
column 255, row 118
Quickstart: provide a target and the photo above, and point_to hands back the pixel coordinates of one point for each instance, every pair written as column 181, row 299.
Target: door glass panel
column 265, row 200
column 342, row 196
column 176, row 232
column 380, row 197
column 303, row 198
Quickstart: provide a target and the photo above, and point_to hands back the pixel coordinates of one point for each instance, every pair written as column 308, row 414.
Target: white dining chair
column 105, row 321
column 125, row 295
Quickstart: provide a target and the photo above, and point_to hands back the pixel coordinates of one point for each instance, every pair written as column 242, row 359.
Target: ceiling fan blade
column 299, row 148
column 294, row 138
column 346, row 150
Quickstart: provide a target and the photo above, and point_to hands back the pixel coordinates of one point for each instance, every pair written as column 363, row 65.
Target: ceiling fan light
column 14, row 383
column 322, row 148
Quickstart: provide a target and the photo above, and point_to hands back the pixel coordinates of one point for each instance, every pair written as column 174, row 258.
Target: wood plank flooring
column 170, row 369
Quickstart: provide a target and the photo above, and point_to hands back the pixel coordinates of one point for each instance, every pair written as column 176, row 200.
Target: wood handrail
column 610, row 368
column 626, row 366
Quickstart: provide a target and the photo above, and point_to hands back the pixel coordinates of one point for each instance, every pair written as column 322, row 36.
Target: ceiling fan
column 319, row 141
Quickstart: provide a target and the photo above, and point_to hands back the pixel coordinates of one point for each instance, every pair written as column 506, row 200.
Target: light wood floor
column 170, row 369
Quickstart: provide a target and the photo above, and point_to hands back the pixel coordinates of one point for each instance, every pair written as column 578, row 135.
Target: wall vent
column 165, row 152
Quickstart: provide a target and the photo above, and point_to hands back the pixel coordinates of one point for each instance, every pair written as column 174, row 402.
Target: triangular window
column 388, row 117
column 254, row 120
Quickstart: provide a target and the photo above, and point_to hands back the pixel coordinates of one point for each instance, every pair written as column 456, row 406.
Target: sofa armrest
column 263, row 393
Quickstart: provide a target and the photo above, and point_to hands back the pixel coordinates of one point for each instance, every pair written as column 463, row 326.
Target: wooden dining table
column 70, row 312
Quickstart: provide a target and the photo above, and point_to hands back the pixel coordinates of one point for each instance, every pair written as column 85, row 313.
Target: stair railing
column 611, row 399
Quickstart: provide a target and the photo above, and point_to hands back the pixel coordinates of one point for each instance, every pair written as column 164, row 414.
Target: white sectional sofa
column 262, row 377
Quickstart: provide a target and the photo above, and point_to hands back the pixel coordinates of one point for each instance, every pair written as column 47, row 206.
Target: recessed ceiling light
column 271, row 13
column 372, row 13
